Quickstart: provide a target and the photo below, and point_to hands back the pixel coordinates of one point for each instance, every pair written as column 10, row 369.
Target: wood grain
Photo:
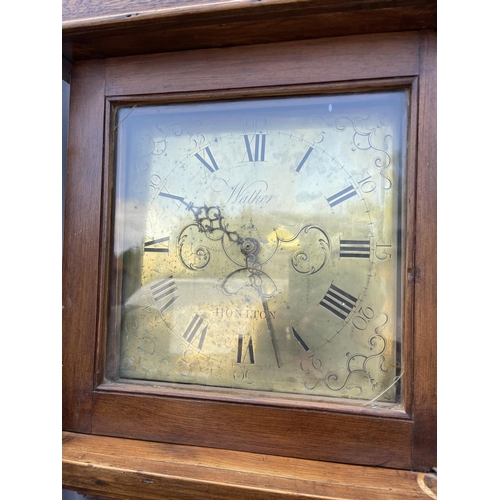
column 81, row 242
column 372, row 61
column 288, row 63
column 301, row 433
column 110, row 29
column 76, row 13
column 147, row 36
column 130, row 469
column 425, row 323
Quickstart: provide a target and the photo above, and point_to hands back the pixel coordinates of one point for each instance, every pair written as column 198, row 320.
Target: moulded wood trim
column 231, row 395
column 77, row 15
column 109, row 29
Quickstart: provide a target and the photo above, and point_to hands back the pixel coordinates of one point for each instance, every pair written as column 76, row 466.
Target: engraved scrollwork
column 357, row 364
column 367, row 140
column 143, row 356
column 372, row 139
column 187, row 361
column 314, row 247
column 158, row 145
column 209, row 222
column 194, row 257
column 155, row 144
column 314, row 257
column 248, row 277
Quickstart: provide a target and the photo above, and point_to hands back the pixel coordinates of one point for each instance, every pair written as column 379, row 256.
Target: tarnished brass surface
column 258, row 244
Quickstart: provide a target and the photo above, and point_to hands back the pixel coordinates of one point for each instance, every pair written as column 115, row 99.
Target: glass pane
column 258, row 244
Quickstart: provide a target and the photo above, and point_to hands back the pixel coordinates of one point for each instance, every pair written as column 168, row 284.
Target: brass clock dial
column 259, row 244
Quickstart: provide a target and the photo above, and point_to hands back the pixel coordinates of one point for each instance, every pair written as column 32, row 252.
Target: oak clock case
column 258, row 245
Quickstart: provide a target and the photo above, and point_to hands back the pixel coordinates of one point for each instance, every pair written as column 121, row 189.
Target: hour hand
column 181, row 199
column 207, row 218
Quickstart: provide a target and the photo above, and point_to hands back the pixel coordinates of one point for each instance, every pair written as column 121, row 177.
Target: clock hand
column 269, row 325
column 250, row 247
column 209, row 220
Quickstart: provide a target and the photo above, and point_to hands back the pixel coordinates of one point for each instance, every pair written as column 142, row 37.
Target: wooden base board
column 130, row 470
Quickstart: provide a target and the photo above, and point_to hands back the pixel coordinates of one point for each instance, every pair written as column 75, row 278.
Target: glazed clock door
column 258, row 245
column 249, row 245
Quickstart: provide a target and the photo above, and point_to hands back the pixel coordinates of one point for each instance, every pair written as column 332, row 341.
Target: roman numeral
column 338, row 302
column 242, row 355
column 359, row 249
column 258, row 151
column 211, row 164
column 164, row 290
column 341, row 196
column 194, row 331
column 299, row 339
column 306, row 156
column 157, row 245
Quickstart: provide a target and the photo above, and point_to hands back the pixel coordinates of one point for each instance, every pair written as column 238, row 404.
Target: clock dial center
column 250, row 246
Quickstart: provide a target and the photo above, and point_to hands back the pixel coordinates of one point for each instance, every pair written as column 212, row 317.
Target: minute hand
column 269, row 324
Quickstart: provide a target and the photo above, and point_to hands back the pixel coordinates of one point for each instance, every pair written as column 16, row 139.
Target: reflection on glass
column 258, row 244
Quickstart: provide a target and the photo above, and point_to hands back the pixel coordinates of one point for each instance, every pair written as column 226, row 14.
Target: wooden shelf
column 131, row 470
